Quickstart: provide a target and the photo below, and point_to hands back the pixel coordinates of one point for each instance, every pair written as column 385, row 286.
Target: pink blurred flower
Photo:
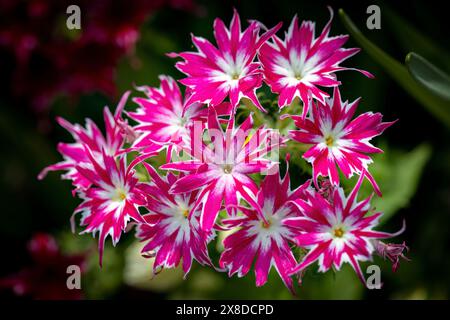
column 33, row 43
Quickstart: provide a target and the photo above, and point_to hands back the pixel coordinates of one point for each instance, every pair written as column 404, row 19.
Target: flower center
column 183, row 209
column 329, row 141
column 228, row 168
column 182, row 121
column 338, row 232
column 298, row 76
column 120, row 195
column 265, row 224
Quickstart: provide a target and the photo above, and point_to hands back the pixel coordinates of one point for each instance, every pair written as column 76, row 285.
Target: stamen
column 265, row 224
column 338, row 233
column 119, row 196
column 228, row 168
column 329, row 141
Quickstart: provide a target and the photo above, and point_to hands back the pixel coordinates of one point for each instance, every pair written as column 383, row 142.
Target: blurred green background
column 413, row 173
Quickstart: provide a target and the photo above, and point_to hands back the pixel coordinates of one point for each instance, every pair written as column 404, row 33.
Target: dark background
column 30, row 134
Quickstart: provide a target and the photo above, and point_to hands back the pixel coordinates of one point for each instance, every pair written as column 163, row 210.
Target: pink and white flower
column 336, row 139
column 172, row 234
column 229, row 70
column 262, row 234
column 297, row 65
column 91, row 137
column 163, row 120
column 337, row 232
column 222, row 172
column 112, row 199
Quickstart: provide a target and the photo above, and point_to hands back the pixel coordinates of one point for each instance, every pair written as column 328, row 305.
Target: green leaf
column 434, row 104
column 401, row 179
column 340, row 285
column 428, row 75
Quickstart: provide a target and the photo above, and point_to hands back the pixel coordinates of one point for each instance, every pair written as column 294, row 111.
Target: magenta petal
column 211, row 207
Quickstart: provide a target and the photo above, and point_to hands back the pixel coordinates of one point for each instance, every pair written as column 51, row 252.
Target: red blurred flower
column 40, row 58
column 46, row 278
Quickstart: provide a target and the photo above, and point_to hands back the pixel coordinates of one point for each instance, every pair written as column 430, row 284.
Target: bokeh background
column 48, row 71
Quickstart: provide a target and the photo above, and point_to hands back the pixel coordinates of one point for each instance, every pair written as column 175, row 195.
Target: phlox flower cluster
column 221, row 173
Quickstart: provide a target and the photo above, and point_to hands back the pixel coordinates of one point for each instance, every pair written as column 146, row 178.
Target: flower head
column 296, row 66
column 262, row 233
column 229, row 70
column 112, row 199
column 171, row 232
column 221, row 173
column 336, row 139
column 338, row 232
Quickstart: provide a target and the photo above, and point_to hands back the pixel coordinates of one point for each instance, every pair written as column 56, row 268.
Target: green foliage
column 106, row 280
column 334, row 285
column 148, row 62
column 412, row 39
column 428, row 75
column 98, row 282
column 438, row 106
column 398, row 175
